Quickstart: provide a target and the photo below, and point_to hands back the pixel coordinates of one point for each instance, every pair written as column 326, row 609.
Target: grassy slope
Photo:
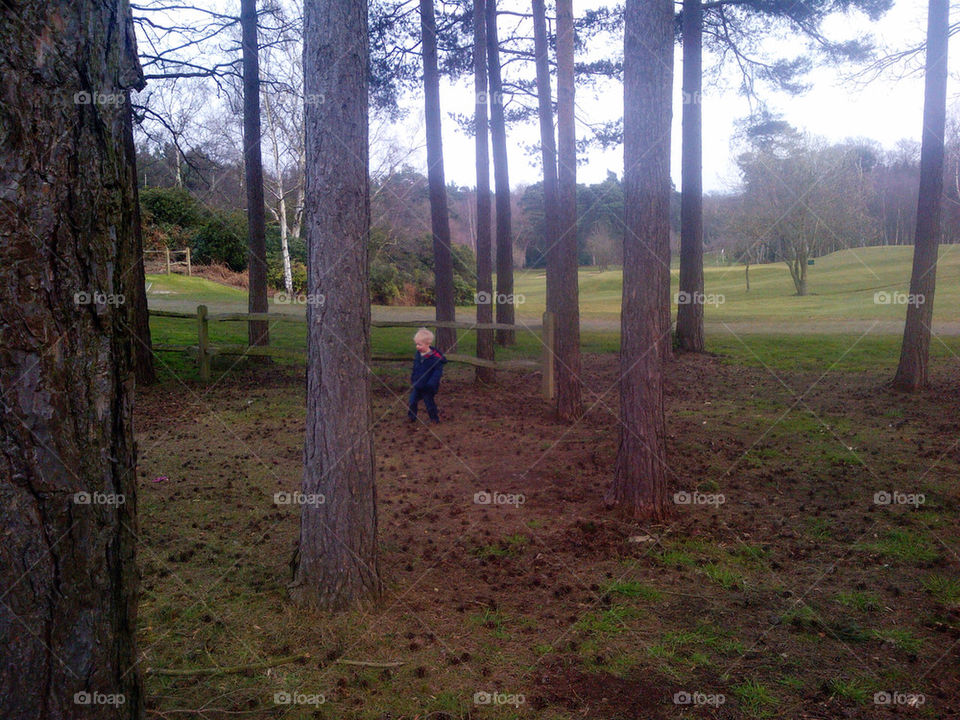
column 843, row 286
column 214, row 596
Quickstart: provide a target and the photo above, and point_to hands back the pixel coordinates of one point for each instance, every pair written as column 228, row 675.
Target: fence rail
column 167, row 253
column 205, row 351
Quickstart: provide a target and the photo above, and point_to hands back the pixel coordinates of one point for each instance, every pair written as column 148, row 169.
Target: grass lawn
column 841, row 286
column 797, row 596
column 747, row 328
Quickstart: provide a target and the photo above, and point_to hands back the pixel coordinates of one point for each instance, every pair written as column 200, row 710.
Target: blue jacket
column 427, row 370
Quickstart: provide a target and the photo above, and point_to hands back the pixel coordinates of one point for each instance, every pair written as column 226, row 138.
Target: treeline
column 802, row 197
column 213, row 225
column 852, row 194
column 205, row 212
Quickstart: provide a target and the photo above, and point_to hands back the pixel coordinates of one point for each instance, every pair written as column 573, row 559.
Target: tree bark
column 336, row 565
column 501, row 177
column 548, row 156
column 639, row 486
column 139, row 312
column 485, row 299
column 690, row 305
column 67, row 454
column 569, row 386
column 439, row 216
column 298, row 206
column 285, row 244
column 281, row 210
column 912, row 372
column 258, row 332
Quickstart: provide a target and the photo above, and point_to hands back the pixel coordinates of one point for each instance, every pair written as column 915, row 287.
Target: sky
column 886, row 110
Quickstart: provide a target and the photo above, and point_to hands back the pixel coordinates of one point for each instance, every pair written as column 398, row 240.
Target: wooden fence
column 168, row 259
column 204, row 350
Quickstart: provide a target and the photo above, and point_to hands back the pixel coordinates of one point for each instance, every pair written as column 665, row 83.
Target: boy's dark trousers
column 418, row 394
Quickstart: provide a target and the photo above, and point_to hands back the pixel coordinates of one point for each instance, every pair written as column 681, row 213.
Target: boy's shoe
column 435, row 421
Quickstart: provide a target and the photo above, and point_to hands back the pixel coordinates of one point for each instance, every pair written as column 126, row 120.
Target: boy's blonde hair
column 423, row 334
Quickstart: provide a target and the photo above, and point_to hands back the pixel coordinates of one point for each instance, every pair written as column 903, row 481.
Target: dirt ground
column 801, row 595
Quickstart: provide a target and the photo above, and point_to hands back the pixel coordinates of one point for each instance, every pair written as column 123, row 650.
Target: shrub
column 298, row 274
column 171, row 206
column 223, row 238
column 401, row 271
column 385, row 284
column 173, row 218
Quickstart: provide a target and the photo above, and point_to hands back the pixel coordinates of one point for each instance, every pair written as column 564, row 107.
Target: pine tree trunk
column 912, row 372
column 690, row 305
column 258, row 332
column 498, row 136
column 439, row 215
column 639, row 487
column 67, row 456
column 548, row 156
column 336, row 565
column 484, row 265
column 139, row 312
column 569, row 387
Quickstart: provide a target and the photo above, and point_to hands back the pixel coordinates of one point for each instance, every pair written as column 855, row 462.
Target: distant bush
column 172, row 206
column 385, row 284
column 298, row 273
column 174, row 218
column 401, row 268
column 464, row 275
column 223, row 238
column 297, row 250
column 401, row 271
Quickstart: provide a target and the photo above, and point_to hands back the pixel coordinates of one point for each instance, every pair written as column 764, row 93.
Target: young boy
column 427, row 369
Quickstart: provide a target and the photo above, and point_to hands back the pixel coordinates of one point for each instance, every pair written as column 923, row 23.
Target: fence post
column 203, row 343
column 168, row 260
column 188, row 262
column 548, row 386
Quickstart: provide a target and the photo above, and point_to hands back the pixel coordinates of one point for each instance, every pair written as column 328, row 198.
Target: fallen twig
column 366, row 663
column 228, row 670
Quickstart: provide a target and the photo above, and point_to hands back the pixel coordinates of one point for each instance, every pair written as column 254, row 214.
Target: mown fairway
column 838, row 325
column 799, row 595
column 842, row 288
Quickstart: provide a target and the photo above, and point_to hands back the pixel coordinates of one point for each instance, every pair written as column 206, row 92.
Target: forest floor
column 801, row 595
